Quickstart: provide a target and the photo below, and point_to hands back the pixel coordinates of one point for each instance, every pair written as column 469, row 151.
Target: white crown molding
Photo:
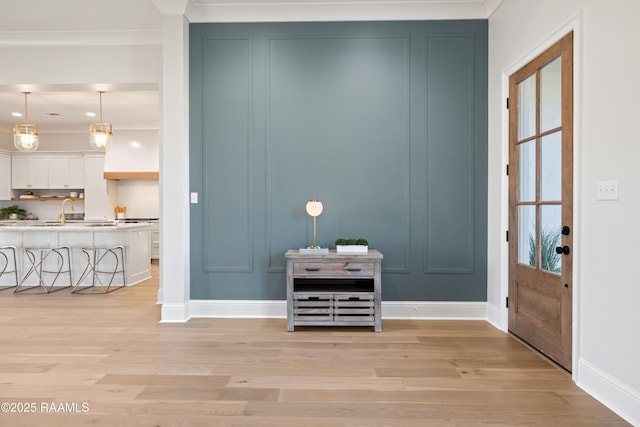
column 491, row 6
column 171, row 7
column 336, row 10
column 80, row 38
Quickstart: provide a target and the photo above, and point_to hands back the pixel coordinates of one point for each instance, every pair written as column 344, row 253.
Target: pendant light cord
column 101, row 92
column 26, row 109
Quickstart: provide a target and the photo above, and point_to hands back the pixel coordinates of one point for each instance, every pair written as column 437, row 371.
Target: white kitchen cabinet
column 155, row 240
column 29, row 172
column 5, row 176
column 66, row 172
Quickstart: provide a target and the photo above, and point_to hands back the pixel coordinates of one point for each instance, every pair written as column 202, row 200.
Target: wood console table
column 333, row 289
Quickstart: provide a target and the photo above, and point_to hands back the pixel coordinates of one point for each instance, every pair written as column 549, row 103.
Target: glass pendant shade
column 100, row 134
column 25, row 135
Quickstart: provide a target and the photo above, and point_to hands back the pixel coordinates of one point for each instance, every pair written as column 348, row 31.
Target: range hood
column 134, row 155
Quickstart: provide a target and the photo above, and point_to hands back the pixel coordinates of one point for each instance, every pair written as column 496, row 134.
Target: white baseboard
column 390, row 309
column 238, row 308
column 617, row 396
column 174, row 313
column 160, row 296
column 498, row 317
column 434, row 310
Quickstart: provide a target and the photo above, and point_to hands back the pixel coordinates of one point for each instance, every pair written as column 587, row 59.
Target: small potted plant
column 352, row 246
column 12, row 212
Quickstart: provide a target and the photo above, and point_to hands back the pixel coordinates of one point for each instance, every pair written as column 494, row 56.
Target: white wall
column 606, row 146
column 76, row 65
column 134, row 151
column 140, row 197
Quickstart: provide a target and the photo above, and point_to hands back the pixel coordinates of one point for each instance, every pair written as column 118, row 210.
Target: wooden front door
column 540, row 201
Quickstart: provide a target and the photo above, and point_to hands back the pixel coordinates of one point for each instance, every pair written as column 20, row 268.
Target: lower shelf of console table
column 332, row 289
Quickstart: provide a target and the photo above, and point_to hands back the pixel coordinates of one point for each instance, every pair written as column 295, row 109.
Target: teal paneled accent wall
column 384, row 122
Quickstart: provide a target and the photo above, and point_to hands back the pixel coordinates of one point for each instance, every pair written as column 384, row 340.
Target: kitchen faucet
column 62, row 219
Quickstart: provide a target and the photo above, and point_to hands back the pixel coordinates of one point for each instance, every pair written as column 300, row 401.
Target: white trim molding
column 332, row 10
column 175, row 313
column 415, row 310
column 81, row 38
column 424, row 310
column 616, row 395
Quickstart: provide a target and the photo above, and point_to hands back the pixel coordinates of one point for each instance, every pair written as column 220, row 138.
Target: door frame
column 575, row 24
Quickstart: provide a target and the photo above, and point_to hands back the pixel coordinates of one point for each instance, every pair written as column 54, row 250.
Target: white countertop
column 69, row 226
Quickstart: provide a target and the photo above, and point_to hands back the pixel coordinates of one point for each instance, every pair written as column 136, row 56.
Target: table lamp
column 314, row 208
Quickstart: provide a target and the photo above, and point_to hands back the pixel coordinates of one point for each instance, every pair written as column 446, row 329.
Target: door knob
column 563, row 250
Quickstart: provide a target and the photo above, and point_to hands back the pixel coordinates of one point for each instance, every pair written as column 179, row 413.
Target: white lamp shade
column 314, row 207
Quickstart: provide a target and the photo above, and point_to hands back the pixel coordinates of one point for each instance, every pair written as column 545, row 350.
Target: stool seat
column 105, row 261
column 6, row 265
column 47, row 261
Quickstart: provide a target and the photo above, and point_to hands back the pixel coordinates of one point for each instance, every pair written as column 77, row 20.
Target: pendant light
column 100, row 133
column 25, row 135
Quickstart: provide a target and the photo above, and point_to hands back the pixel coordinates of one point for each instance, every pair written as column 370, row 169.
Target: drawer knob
column 353, row 269
column 312, row 268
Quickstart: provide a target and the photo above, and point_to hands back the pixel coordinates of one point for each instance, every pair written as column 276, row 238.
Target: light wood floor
column 108, row 360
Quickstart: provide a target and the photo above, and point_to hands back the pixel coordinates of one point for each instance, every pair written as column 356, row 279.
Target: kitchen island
column 77, row 235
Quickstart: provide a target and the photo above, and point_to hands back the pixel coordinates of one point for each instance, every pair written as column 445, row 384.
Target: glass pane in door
column 527, row 235
column 527, row 171
column 550, row 238
column 551, row 95
column 551, row 167
column 527, row 107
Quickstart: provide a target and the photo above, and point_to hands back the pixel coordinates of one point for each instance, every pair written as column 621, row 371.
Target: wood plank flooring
column 104, row 360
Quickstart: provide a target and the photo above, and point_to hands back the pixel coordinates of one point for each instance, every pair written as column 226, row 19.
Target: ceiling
column 137, row 106
column 53, row 108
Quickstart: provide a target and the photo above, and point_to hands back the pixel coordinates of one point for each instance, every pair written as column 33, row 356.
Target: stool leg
column 89, row 268
column 6, row 266
column 60, row 252
column 32, row 269
column 96, row 257
column 38, row 267
column 68, row 251
column 124, row 276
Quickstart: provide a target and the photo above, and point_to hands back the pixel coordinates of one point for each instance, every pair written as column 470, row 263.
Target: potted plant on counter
column 12, row 212
column 352, row 246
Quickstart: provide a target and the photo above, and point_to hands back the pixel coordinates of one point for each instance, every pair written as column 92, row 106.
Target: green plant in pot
column 360, row 245
column 13, row 210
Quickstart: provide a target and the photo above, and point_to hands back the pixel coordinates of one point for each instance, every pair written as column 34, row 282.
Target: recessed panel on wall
column 338, row 130
column 450, row 155
column 227, row 227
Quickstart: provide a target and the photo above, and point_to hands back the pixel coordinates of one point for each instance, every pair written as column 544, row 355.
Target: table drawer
column 354, row 307
column 333, row 269
column 313, row 307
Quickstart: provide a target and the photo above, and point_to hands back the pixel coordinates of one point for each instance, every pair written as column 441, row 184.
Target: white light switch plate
column 194, row 197
column 608, row 190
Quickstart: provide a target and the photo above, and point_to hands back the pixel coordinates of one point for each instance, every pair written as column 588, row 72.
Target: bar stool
column 5, row 265
column 42, row 259
column 101, row 260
